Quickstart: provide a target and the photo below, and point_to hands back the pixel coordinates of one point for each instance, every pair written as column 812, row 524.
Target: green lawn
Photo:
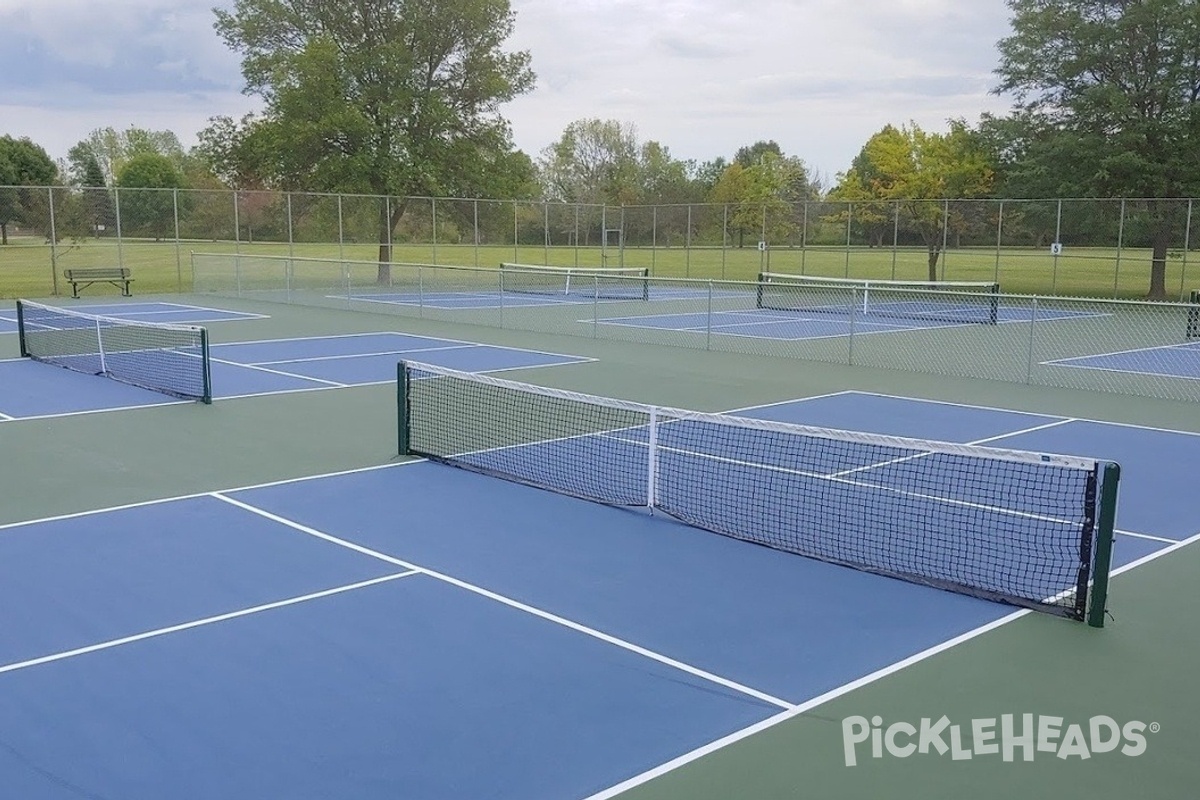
column 28, row 267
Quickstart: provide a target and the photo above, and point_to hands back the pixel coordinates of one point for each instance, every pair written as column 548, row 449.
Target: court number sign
column 1056, row 249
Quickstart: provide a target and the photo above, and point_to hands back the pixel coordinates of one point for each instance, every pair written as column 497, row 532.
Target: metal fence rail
column 1087, row 247
column 1129, row 347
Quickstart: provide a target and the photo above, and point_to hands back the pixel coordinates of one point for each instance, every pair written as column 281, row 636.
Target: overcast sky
column 702, row 77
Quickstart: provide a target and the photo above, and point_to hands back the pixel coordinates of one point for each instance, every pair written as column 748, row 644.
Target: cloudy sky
column 702, row 77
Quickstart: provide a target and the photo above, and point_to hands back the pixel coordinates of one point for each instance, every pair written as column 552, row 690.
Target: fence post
column 1057, row 240
column 945, row 235
column 117, row 204
column 53, row 244
column 1187, row 245
column 895, row 236
column 1120, row 247
column 999, row 235
column 849, row 218
column 178, row 253
column 708, row 319
column 1032, row 332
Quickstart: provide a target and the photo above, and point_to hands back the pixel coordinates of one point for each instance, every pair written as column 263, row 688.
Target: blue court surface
column 176, row 313
column 29, row 389
column 833, row 321
column 1176, row 361
column 423, row 631
column 467, row 300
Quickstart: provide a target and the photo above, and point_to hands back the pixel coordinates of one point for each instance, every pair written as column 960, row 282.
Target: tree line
column 402, row 99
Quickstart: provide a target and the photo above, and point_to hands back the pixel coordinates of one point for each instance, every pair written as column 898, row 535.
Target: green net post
column 206, row 362
column 1111, row 475
column 21, row 329
column 402, row 408
column 994, row 304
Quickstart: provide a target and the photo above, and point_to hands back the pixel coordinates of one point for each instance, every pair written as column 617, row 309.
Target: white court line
column 516, row 604
column 245, row 612
column 435, row 305
column 197, row 495
column 1148, row 537
column 360, row 355
column 975, row 443
column 7, row 418
column 820, row 700
column 1183, row 345
column 1174, row 375
column 1135, row 426
column 257, row 368
column 217, row 347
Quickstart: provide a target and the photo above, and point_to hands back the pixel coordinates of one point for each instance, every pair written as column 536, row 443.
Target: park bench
column 83, row 278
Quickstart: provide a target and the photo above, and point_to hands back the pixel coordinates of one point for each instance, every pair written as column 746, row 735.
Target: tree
column 915, row 169
column 148, row 205
column 750, row 155
column 22, row 163
column 111, row 150
column 594, row 161
column 388, row 97
column 762, row 196
column 1114, row 85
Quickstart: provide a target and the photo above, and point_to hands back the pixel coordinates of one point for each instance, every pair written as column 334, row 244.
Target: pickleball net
column 172, row 359
column 1030, row 529
column 609, row 283
column 937, row 301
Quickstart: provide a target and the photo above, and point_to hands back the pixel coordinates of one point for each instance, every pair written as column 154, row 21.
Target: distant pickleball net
column 938, row 301
column 609, row 283
column 172, row 359
column 1030, row 529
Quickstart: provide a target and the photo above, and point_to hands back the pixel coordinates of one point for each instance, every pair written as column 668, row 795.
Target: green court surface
column 1142, row 666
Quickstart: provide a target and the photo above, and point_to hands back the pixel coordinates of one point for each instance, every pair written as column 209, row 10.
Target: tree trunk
column 1158, row 261
column 387, row 224
column 934, row 251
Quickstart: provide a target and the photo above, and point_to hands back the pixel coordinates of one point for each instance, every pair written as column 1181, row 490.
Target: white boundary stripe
column 7, row 418
column 245, row 612
column 216, row 347
column 1133, row 425
column 360, row 355
column 1173, row 375
column 1148, row 537
column 820, row 700
column 196, row 495
column 516, row 604
column 1178, row 345
column 280, row 372
column 915, row 456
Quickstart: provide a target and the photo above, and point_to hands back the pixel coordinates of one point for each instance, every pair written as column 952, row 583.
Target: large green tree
column 146, row 201
column 1109, row 104
column 396, row 98
column 22, row 163
column 762, row 190
column 111, row 149
column 918, row 172
column 594, row 161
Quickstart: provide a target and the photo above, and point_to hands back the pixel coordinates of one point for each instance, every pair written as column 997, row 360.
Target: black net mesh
column 1004, row 525
column 938, row 301
column 172, row 359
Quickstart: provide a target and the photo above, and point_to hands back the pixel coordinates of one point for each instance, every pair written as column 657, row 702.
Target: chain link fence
column 1117, row 248
column 1129, row 347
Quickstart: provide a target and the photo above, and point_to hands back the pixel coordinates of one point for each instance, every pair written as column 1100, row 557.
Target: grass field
column 29, row 268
